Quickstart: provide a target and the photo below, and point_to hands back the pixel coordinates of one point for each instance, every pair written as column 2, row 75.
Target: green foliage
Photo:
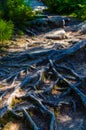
column 18, row 12
column 1, row 10
column 82, row 13
column 76, row 7
column 8, row 117
column 6, row 30
column 20, row 32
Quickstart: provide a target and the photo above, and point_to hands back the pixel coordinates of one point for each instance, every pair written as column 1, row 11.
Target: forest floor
column 67, row 118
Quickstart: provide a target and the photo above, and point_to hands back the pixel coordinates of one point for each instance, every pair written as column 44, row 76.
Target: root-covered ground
column 43, row 86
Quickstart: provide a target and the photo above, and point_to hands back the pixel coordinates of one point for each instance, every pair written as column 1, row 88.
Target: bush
column 67, row 7
column 1, row 10
column 82, row 13
column 17, row 11
column 6, row 31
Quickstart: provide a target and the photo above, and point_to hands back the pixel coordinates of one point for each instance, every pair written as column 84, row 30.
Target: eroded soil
column 69, row 116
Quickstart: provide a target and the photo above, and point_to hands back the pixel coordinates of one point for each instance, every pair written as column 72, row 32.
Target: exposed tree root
column 33, row 76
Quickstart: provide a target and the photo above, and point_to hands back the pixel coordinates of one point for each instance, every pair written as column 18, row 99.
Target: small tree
column 6, row 30
column 18, row 12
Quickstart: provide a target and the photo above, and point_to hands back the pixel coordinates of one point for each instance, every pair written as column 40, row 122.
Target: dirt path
column 22, row 64
column 37, row 5
column 67, row 119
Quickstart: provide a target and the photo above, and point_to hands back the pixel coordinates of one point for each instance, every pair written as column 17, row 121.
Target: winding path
column 37, row 5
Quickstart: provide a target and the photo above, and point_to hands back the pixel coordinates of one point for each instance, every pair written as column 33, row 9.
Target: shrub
column 67, row 7
column 6, row 30
column 18, row 12
column 1, row 10
column 82, row 13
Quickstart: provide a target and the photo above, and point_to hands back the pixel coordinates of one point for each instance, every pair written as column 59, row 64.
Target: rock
column 83, row 31
column 57, row 21
column 58, row 34
column 40, row 8
column 39, row 22
column 80, row 27
column 50, row 22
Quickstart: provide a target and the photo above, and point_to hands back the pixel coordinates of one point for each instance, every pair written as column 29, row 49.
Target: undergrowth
column 67, row 7
column 13, row 14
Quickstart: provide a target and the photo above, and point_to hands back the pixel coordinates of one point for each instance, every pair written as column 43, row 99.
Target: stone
column 58, row 34
column 50, row 22
column 80, row 28
column 57, row 21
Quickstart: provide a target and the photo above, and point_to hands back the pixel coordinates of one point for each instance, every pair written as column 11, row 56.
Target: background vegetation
column 6, row 30
column 16, row 13
column 68, row 7
column 13, row 14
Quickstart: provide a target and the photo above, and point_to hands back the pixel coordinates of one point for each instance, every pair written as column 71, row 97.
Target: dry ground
column 67, row 119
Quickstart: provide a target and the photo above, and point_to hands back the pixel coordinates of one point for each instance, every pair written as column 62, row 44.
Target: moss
column 14, row 102
column 21, row 33
column 56, row 86
column 1, row 86
column 20, row 90
column 31, row 113
column 7, row 117
column 7, row 120
column 43, row 76
column 56, row 112
column 7, row 126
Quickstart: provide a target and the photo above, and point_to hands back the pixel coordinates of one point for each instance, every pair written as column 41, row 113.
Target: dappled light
column 42, row 66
